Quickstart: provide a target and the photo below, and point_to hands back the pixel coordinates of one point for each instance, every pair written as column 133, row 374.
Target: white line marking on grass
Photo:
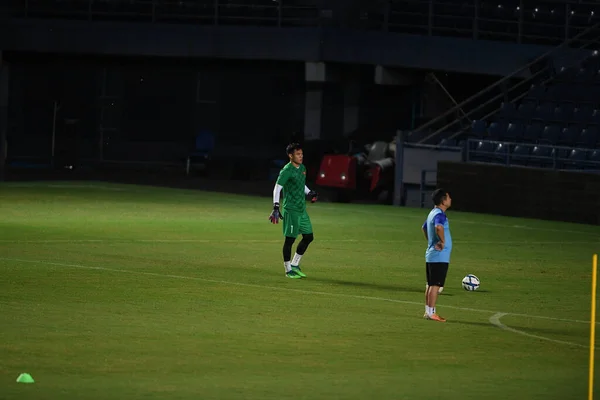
column 285, row 289
column 495, row 320
column 68, row 241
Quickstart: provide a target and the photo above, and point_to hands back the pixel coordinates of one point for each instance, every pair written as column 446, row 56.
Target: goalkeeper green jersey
column 293, row 181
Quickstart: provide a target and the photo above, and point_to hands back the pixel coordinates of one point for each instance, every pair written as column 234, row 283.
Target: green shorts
column 296, row 223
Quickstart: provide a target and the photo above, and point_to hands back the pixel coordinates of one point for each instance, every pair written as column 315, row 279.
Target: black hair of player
column 292, row 147
column 438, row 196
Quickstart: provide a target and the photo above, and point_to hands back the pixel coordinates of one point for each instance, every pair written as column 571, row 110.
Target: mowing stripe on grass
column 285, row 289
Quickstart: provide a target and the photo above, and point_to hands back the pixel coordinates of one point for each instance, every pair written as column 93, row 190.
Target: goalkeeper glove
column 313, row 196
column 275, row 214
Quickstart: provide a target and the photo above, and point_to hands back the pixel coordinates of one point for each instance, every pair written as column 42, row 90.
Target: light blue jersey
column 437, row 217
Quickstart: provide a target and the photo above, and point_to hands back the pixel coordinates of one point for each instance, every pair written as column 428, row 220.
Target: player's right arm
column 277, row 193
column 283, row 177
column 281, row 180
column 424, row 229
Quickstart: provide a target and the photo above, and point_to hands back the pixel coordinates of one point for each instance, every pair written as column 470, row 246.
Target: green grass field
column 128, row 292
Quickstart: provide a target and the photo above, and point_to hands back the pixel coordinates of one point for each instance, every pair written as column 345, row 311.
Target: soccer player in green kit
column 292, row 180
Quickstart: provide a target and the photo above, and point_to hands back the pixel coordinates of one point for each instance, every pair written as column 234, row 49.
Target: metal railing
column 480, row 106
column 533, row 155
column 546, row 22
column 549, row 22
column 199, row 12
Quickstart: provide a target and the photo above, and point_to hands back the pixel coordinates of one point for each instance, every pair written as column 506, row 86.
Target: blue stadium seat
column 576, row 159
column 550, row 134
column 478, row 128
column 541, row 156
column 558, row 92
column 507, row 111
column 564, row 112
column 497, row 129
column 593, row 61
column 501, row 153
column 584, row 75
column 544, row 111
column 520, row 155
column 566, row 75
column 514, row 132
column 533, row 132
column 560, row 156
column 526, row 110
column 593, row 161
column 483, row 151
column 582, row 92
column 595, row 118
column 536, row 93
column 568, row 136
column 583, row 114
column 588, row 137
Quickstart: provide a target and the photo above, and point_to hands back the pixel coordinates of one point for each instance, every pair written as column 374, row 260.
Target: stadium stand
column 555, row 125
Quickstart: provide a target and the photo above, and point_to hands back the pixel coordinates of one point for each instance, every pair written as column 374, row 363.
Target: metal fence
column 519, row 21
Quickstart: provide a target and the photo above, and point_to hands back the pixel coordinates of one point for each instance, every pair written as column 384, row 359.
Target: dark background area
column 522, row 192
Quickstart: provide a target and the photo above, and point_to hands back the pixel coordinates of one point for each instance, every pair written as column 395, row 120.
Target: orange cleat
column 436, row 317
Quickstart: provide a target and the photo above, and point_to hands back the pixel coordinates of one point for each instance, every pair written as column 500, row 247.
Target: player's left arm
column 424, row 229
column 311, row 193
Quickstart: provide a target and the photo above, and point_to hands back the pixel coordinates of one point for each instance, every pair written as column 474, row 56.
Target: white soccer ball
column 440, row 290
column 470, row 283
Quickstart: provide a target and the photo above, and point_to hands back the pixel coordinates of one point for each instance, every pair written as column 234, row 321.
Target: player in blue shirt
column 439, row 247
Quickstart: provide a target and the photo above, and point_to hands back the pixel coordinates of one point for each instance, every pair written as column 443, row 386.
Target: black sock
column 287, row 248
column 303, row 245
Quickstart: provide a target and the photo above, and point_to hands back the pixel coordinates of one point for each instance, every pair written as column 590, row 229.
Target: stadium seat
column 544, row 111
column 582, row 114
column 593, row 61
column 560, row 157
column 563, row 112
column 595, row 118
column 593, row 161
column 532, row 132
column 558, row 92
column 588, row 137
column 483, row 151
column 584, row 75
column 541, row 156
column 550, row 134
column 497, row 129
column 501, row 153
column 478, row 128
column 507, row 111
column 576, row 159
column 568, row 136
column 514, row 132
column 536, row 93
column 525, row 110
column 520, row 155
